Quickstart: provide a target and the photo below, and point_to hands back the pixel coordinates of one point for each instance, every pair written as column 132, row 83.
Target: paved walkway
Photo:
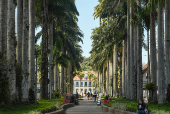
column 86, row 107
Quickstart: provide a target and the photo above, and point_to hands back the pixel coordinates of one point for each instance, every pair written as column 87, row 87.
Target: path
column 86, row 107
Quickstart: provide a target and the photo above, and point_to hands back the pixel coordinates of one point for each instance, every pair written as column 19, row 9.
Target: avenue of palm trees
column 117, row 47
column 59, row 51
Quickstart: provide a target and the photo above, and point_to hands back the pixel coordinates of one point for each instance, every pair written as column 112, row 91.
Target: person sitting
column 142, row 108
column 106, row 97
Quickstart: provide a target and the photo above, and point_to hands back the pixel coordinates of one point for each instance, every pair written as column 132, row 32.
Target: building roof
column 144, row 69
column 85, row 72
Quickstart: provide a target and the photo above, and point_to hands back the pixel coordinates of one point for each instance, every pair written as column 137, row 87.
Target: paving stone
column 86, row 107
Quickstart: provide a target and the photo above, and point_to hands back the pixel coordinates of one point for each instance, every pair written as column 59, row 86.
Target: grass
column 133, row 103
column 29, row 108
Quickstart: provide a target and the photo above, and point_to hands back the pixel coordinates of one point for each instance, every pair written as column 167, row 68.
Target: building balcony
column 76, row 85
column 85, row 85
column 90, row 85
column 81, row 86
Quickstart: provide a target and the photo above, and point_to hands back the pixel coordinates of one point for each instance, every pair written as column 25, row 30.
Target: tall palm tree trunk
column 167, row 40
column 128, row 55
column 123, row 69
column 65, row 76
column 50, row 59
column 56, row 77
column 161, row 70
column 3, row 64
column 62, row 80
column 110, row 75
column 153, row 54
column 115, row 91
column 132, row 76
column 25, row 51
column 139, row 61
column 19, row 46
column 11, row 49
column 31, row 45
column 44, row 63
column 107, row 78
column 19, row 31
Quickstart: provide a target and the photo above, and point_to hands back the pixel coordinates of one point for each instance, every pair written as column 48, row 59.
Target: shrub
column 131, row 109
column 150, row 86
column 153, row 102
column 168, row 93
column 56, row 94
column 48, row 109
column 120, row 106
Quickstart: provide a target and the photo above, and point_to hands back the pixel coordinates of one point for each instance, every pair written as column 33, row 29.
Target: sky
column 87, row 23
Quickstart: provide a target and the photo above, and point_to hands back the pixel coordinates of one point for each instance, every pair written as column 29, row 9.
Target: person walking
column 95, row 95
column 88, row 95
column 77, row 96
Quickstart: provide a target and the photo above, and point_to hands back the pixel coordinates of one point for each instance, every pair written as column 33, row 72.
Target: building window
column 77, row 83
column 90, row 84
column 81, row 84
column 81, row 90
column 90, row 90
column 85, row 84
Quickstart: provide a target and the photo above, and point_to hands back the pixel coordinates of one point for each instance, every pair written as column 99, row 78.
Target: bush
column 131, row 109
column 120, row 106
column 168, row 93
column 150, row 86
column 56, row 94
column 153, row 102
column 48, row 109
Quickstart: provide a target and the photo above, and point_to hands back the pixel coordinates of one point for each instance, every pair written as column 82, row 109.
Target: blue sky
column 87, row 23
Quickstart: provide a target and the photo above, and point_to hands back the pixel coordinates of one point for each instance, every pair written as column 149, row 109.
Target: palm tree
column 56, row 77
column 139, row 61
column 25, row 51
column 167, row 40
column 3, row 66
column 31, row 46
column 161, row 70
column 128, row 54
column 44, row 63
column 123, row 69
column 115, row 88
column 11, row 49
column 50, row 59
column 19, row 31
column 19, row 47
column 153, row 52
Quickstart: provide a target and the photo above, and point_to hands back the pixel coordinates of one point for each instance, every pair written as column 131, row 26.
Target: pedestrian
column 88, row 95
column 95, row 95
column 142, row 108
column 77, row 96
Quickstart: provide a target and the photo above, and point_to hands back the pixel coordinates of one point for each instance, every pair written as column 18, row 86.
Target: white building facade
column 84, row 86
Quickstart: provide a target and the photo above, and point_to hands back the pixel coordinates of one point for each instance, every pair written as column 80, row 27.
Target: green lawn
column 26, row 108
column 129, row 103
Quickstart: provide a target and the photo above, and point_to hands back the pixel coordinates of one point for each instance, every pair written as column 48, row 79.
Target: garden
column 131, row 105
column 42, row 106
